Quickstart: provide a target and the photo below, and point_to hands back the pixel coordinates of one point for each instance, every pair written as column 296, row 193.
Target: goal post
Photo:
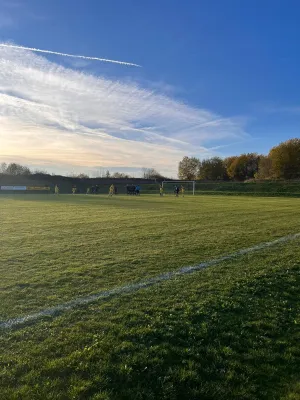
column 184, row 183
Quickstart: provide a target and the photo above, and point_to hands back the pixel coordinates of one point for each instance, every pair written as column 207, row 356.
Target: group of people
column 131, row 189
column 177, row 190
column 93, row 189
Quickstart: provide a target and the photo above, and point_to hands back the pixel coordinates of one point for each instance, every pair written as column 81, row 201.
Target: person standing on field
column 137, row 190
column 111, row 190
column 74, row 190
column 182, row 189
column 161, row 191
column 56, row 189
column 176, row 191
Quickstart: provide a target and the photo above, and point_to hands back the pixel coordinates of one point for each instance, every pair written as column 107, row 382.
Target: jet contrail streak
column 68, row 55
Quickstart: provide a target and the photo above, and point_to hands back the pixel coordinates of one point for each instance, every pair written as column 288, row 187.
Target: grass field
column 231, row 331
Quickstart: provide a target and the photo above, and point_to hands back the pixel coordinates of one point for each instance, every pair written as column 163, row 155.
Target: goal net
column 169, row 186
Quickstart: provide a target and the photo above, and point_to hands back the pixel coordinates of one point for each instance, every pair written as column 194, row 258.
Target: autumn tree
column 265, row 170
column 228, row 161
column 212, row 169
column 286, row 159
column 188, row 168
column 244, row 167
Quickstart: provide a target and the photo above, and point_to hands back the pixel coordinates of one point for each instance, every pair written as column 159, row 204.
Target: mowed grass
column 231, row 331
column 56, row 248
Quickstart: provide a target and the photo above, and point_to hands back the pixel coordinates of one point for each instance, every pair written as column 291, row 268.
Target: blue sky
column 217, row 78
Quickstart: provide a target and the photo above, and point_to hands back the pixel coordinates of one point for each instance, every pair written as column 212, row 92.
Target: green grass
column 266, row 188
column 228, row 332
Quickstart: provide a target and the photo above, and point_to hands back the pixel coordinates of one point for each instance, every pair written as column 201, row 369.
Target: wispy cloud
column 275, row 108
column 282, row 109
column 54, row 115
column 14, row 13
column 78, row 63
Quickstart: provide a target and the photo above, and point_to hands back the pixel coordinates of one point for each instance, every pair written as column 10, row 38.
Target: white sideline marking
column 50, row 312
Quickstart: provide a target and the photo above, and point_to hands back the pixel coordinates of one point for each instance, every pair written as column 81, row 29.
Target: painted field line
column 54, row 311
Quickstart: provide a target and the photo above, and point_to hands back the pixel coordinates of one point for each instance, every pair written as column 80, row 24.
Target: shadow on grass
column 239, row 344
column 243, row 346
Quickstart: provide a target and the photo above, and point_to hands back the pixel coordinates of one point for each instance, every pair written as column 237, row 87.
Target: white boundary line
column 130, row 288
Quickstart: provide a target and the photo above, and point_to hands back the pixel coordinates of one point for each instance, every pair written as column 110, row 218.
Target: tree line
column 15, row 169
column 282, row 162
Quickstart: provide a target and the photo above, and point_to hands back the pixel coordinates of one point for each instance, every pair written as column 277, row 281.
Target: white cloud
column 75, row 63
column 54, row 115
column 13, row 14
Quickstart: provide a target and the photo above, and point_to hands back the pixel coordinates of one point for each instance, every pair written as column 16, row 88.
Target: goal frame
column 174, row 182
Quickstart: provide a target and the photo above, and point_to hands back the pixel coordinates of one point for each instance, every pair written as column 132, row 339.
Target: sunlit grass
column 229, row 332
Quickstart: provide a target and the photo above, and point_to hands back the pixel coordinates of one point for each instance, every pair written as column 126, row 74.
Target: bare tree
column 17, row 169
column 151, row 173
column 3, row 168
column 120, row 175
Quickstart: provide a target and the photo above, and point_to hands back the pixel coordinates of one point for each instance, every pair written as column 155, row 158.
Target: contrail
column 69, row 55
